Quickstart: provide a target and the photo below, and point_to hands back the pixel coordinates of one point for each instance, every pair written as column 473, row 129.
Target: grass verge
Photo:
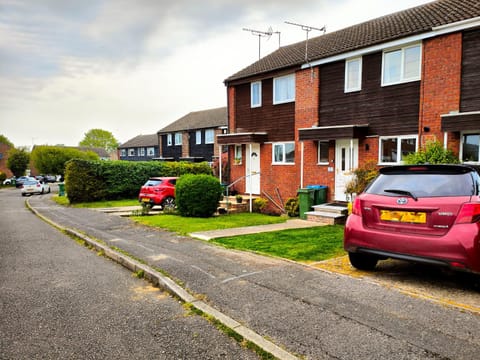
column 303, row 245
column 186, row 225
column 63, row 200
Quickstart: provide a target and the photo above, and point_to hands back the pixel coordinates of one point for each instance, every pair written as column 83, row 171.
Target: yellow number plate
column 404, row 216
column 146, row 200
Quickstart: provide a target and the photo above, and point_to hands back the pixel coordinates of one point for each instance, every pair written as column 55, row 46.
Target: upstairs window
column 141, row 151
column 150, row 151
column 284, row 89
column 256, row 94
column 209, row 136
column 131, row 152
column 401, row 65
column 198, row 137
column 169, row 139
column 178, row 138
column 123, row 152
column 353, row 75
column 284, row 153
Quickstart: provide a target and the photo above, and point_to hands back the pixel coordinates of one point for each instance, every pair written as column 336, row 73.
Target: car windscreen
column 153, row 182
column 30, row 182
column 424, row 185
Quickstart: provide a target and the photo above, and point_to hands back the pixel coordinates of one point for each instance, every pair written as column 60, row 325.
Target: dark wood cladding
column 389, row 110
column 470, row 93
column 461, row 122
column 202, row 150
column 278, row 121
column 172, row 151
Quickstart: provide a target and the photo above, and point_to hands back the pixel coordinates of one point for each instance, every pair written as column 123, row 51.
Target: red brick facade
column 4, row 148
column 440, row 86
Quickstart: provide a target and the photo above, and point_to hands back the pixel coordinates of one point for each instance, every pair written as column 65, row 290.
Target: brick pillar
column 185, row 144
column 440, row 87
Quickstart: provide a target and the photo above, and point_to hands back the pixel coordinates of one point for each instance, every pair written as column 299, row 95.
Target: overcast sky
column 133, row 66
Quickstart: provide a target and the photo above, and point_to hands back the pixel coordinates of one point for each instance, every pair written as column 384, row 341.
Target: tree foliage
column 98, row 138
column 433, row 153
column 52, row 159
column 4, row 140
column 362, row 176
column 18, row 160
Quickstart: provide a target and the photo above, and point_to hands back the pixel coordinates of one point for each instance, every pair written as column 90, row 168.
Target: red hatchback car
column 421, row 213
column 158, row 191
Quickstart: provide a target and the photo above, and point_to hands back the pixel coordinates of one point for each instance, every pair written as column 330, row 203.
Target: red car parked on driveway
column 421, row 213
column 158, row 191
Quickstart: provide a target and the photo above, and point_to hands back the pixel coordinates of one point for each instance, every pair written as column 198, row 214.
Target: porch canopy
column 457, row 122
column 242, row 138
column 333, row 132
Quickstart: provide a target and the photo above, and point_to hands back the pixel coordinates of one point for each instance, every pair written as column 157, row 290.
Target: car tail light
column 469, row 213
column 356, row 209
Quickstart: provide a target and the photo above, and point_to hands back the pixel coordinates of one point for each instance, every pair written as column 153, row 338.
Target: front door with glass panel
column 252, row 175
column 346, row 160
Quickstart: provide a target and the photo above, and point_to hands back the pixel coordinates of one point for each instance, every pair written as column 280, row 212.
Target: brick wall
column 4, row 148
column 440, row 87
column 185, row 144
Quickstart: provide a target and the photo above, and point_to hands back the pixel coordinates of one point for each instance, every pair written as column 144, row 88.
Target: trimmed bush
column 87, row 181
column 292, row 207
column 197, row 195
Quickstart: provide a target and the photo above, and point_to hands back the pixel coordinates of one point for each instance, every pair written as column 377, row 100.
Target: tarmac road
column 311, row 313
column 59, row 300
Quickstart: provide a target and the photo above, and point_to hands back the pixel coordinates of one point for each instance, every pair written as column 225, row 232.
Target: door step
column 330, row 213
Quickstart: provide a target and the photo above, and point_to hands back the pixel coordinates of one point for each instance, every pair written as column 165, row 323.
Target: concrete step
column 326, row 217
column 333, row 208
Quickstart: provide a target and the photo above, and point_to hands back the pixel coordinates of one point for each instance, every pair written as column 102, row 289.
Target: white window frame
column 209, row 136
column 319, row 162
column 123, row 152
column 462, row 137
column 403, row 78
column 358, row 84
column 178, row 138
column 169, row 140
column 198, row 137
column 151, row 151
column 399, row 148
column 238, row 155
column 290, row 95
column 141, row 151
column 258, row 86
column 284, row 158
column 131, row 152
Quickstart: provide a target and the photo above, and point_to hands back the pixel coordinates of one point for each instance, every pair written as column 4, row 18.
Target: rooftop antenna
column 307, row 29
column 261, row 34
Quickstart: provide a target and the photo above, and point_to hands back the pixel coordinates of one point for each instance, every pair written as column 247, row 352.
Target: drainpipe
column 301, row 164
column 351, row 154
column 220, row 164
column 250, row 175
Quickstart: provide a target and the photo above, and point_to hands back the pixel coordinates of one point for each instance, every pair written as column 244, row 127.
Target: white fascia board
column 437, row 31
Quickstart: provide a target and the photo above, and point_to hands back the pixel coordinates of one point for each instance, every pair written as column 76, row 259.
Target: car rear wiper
column 401, row 192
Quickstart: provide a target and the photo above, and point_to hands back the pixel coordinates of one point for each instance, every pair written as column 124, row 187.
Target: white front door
column 252, row 175
column 346, row 160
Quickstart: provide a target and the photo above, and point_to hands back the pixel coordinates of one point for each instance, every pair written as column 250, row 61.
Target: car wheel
column 168, row 203
column 48, row 190
column 23, row 194
column 363, row 261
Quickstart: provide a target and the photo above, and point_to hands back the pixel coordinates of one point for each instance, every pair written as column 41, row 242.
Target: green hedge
column 87, row 181
column 197, row 195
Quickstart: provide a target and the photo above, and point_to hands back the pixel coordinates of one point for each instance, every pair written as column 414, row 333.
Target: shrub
column 259, row 204
column 3, row 176
column 87, row 181
column 197, row 195
column 433, row 153
column 292, row 207
column 362, row 176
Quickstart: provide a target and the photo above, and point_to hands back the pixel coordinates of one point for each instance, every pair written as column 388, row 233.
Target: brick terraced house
column 375, row 91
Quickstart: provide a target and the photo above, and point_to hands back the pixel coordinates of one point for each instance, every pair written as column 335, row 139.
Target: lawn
column 63, row 200
column 187, row 225
column 305, row 245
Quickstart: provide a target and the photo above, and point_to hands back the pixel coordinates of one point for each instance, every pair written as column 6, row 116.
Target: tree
column 18, row 160
column 52, row 159
column 433, row 153
column 4, row 140
column 98, row 138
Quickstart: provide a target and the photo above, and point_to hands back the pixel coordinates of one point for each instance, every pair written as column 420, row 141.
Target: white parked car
column 8, row 181
column 31, row 187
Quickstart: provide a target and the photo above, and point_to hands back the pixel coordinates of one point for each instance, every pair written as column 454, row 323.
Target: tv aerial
column 307, row 29
column 261, row 34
